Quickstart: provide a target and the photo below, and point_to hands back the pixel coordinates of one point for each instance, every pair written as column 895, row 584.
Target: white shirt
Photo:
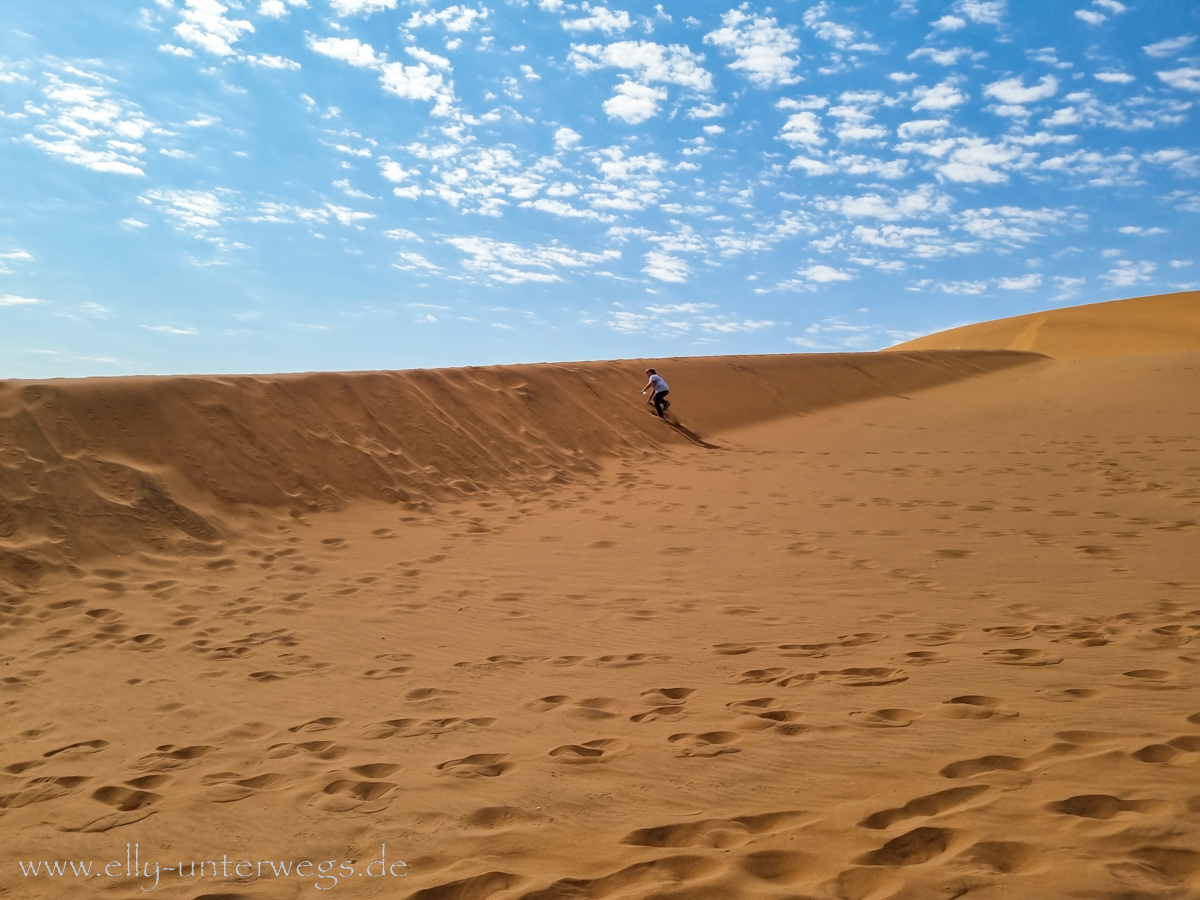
column 658, row 384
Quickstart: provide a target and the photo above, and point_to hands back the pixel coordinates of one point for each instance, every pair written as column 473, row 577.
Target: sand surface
column 1157, row 324
column 905, row 625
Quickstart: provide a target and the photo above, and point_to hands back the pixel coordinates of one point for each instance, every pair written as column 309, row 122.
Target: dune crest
column 175, row 464
column 1162, row 323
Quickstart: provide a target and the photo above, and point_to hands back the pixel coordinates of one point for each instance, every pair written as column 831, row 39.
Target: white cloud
column 1183, row 162
column 14, row 300
column 350, row 50
column 1013, row 90
column 762, row 48
column 941, row 96
column 352, row 7
column 707, row 111
column 566, row 138
column 634, row 103
column 1170, row 46
column 824, row 274
column 665, row 267
column 85, row 125
column 843, row 37
column 802, row 128
column 1115, row 77
column 911, row 129
column 419, row 83
column 1185, row 79
column 1021, row 283
column 982, row 12
column 454, row 18
column 275, row 9
column 432, row 59
column 1127, row 274
column 408, row 261
column 205, row 25
column 176, row 51
column 922, row 202
column 943, row 57
column 511, row 263
column 648, row 62
column 171, row 329
column 975, row 160
column 393, row 171
column 189, row 209
column 599, row 19
column 1091, row 16
column 949, row 23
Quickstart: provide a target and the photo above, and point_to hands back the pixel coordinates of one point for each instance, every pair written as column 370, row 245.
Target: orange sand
column 1159, row 324
column 902, row 625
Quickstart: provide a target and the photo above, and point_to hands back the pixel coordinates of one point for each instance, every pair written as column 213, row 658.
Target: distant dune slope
column 1163, row 323
column 111, row 465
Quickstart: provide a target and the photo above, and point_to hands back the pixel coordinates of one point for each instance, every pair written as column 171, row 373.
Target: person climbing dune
column 658, row 396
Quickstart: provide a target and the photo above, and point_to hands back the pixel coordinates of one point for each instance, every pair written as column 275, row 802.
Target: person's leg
column 658, row 402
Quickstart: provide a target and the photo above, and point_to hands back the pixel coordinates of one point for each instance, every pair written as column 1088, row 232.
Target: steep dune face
column 1163, row 323
column 98, row 466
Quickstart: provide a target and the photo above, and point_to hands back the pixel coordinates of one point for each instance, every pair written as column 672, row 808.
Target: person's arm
column 649, row 384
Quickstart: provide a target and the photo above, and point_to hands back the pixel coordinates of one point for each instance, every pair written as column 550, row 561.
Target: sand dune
column 1164, row 323
column 905, row 625
column 114, row 465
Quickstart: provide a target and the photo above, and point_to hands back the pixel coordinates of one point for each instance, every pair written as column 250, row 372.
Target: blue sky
column 287, row 185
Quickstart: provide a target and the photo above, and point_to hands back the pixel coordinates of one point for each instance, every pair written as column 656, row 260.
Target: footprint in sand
column 600, row 750
column 718, row 833
column 1022, row 656
column 667, row 696
column 1003, row 857
column 871, row 676
column 975, row 706
column 920, row 658
column 229, row 787
column 319, row 749
column 41, row 789
column 418, row 727
column 756, row 676
column 79, row 748
column 168, row 756
column 664, row 713
column 125, row 799
column 478, row 765
column 1105, row 806
column 934, row 638
column 779, row 867
column 322, row 724
column 346, row 794
column 594, row 708
column 1068, row 695
column 885, row 718
column 620, row 660
column 1148, row 680
column 925, row 807
column 393, row 672
column 1170, row 752
column 711, row 743
column 917, row 846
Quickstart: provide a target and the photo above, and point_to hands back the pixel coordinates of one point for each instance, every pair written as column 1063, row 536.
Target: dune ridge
column 175, row 464
column 1160, row 323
